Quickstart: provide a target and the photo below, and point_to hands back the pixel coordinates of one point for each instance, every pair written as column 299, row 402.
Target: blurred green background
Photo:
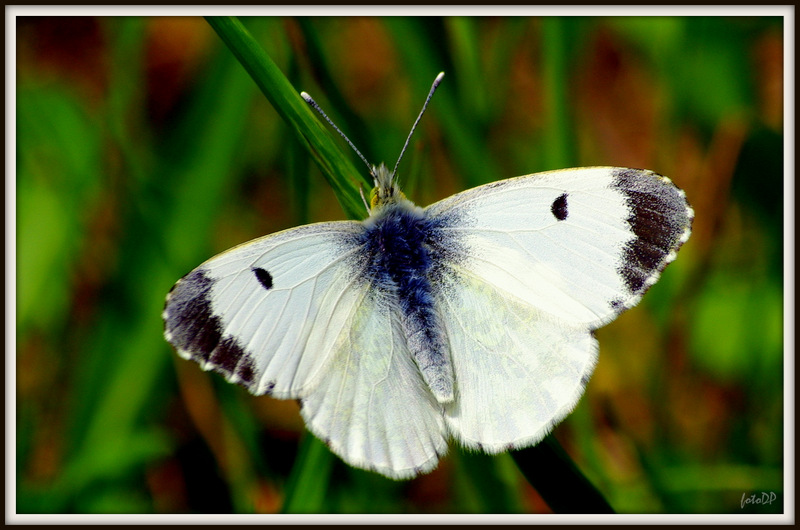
column 144, row 148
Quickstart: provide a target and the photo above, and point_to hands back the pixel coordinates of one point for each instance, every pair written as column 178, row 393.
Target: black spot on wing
column 263, row 277
column 191, row 326
column 559, row 207
column 660, row 219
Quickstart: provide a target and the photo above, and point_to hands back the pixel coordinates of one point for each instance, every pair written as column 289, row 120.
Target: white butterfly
column 472, row 318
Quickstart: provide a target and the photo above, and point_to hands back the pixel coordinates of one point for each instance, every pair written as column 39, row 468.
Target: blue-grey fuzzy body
column 401, row 255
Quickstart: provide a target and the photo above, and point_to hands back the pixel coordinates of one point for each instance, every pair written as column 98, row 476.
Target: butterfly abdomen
column 400, row 266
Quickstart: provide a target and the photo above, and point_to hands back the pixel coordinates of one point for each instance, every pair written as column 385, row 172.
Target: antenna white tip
column 425, row 106
column 314, row 105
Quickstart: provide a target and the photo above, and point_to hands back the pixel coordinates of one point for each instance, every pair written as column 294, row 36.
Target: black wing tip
column 197, row 333
column 661, row 221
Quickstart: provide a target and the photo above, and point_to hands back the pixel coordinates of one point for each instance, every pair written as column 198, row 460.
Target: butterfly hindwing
column 269, row 314
column 373, row 408
column 518, row 370
column 580, row 245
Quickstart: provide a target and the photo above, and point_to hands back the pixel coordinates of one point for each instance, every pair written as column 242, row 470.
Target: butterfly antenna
column 314, row 105
column 361, row 191
column 425, row 106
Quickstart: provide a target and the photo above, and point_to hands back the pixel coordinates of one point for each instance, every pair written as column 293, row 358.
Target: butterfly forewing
column 580, row 244
column 271, row 313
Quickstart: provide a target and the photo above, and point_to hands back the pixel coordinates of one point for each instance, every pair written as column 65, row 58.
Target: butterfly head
column 386, row 191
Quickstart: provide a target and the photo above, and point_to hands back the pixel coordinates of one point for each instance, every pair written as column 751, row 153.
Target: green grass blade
column 335, row 166
column 305, row 491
